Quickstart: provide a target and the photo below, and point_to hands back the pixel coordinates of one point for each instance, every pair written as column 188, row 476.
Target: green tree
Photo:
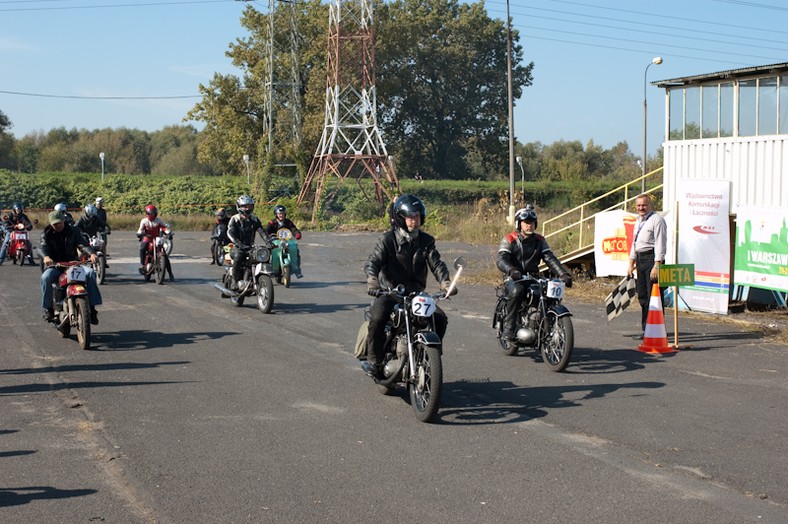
column 441, row 68
column 6, row 142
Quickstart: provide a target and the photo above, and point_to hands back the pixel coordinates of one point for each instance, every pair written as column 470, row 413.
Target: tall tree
column 6, row 142
column 442, row 83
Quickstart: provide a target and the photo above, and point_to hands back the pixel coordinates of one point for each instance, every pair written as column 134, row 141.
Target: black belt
column 647, row 252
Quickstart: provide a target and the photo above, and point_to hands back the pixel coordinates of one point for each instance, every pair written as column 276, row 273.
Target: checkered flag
column 618, row 300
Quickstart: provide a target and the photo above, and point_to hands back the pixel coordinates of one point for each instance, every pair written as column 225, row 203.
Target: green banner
column 676, row 275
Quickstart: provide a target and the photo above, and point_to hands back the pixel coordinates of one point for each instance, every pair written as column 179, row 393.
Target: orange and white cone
column 655, row 338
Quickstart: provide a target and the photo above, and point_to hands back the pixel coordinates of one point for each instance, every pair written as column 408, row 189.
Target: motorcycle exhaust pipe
column 226, row 291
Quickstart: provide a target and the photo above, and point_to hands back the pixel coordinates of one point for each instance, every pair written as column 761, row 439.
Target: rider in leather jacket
column 241, row 232
column 520, row 253
column 17, row 216
column 402, row 255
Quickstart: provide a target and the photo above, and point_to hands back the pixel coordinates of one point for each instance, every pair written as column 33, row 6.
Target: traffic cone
column 655, row 338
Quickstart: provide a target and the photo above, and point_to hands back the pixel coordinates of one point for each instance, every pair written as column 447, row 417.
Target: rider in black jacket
column 241, row 232
column 520, row 253
column 17, row 216
column 402, row 256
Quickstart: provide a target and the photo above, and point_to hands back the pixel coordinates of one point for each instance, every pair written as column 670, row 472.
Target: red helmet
column 151, row 211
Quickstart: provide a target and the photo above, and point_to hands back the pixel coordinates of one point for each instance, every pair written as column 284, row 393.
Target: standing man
column 647, row 253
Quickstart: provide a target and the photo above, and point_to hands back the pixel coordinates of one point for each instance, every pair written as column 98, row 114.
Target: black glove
column 445, row 286
column 373, row 286
column 566, row 277
column 515, row 274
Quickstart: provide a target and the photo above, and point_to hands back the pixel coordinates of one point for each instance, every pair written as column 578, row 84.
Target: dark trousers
column 644, row 264
column 379, row 313
column 515, row 293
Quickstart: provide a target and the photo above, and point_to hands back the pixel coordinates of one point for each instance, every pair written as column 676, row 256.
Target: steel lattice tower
column 351, row 143
column 282, row 85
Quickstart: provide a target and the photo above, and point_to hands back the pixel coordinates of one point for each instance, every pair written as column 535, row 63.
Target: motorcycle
column 156, row 257
column 542, row 323
column 70, row 302
column 257, row 278
column 285, row 256
column 19, row 246
column 100, row 266
column 218, row 242
column 412, row 353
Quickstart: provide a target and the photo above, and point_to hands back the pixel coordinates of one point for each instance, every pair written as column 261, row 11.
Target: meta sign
column 676, row 275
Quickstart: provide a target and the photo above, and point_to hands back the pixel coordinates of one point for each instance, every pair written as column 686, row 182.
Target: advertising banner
column 703, row 240
column 614, row 232
column 761, row 254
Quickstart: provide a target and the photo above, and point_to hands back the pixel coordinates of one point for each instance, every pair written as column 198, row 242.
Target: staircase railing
column 572, row 232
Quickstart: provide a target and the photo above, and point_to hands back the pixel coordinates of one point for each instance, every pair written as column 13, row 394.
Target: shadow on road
column 140, row 339
column 26, row 389
column 24, row 495
column 90, row 367
column 486, row 402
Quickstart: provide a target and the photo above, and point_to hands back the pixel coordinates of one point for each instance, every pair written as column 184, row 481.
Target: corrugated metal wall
column 757, row 168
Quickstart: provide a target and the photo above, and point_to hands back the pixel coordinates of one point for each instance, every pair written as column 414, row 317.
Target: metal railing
column 573, row 231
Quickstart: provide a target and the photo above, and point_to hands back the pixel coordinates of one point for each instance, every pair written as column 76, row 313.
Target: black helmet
column 221, row 213
column 245, row 200
column 280, row 209
column 91, row 210
column 18, row 208
column 526, row 214
column 405, row 206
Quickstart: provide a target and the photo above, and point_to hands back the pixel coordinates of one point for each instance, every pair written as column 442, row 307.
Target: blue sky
column 590, row 57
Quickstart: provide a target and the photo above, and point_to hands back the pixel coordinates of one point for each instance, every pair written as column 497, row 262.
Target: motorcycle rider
column 151, row 227
column 59, row 243
column 241, row 232
column 17, row 216
column 102, row 214
column 222, row 218
column 520, row 253
column 63, row 208
column 401, row 256
column 280, row 221
column 90, row 223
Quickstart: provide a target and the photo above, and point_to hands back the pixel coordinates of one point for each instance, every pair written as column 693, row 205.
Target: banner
column 614, row 232
column 761, row 253
column 704, row 238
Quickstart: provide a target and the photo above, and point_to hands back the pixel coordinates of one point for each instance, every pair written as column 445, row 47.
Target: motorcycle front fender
column 558, row 311
column 428, row 338
column 263, row 268
column 76, row 290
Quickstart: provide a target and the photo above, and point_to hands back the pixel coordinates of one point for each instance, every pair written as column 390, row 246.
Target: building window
column 726, row 109
column 748, row 106
column 692, row 113
column 676, row 114
column 710, row 113
column 782, row 105
column 767, row 106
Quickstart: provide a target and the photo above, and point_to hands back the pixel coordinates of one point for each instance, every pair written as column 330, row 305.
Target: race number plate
column 423, row 305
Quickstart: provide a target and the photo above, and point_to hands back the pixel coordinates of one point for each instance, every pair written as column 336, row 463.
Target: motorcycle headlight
column 262, row 254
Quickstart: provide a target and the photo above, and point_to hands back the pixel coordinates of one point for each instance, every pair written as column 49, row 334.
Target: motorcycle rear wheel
column 557, row 347
column 509, row 348
column 83, row 322
column 265, row 293
column 425, row 393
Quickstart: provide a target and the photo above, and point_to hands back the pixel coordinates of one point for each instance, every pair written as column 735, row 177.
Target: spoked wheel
column 101, row 268
column 83, row 322
column 286, row 276
column 265, row 293
column 147, row 273
column 557, row 347
column 218, row 253
column 21, row 256
column 161, row 266
column 425, row 392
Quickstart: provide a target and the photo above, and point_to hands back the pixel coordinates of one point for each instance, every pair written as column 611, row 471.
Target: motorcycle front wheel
column 83, row 322
column 286, row 276
column 161, row 267
column 101, row 268
column 218, row 253
column 265, row 293
column 558, row 345
column 425, row 391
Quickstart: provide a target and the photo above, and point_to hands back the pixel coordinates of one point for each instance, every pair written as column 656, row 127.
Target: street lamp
column 656, row 60
column 248, row 177
column 522, row 174
column 101, row 156
column 511, row 112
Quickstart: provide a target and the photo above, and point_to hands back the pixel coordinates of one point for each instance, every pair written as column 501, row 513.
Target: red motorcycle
column 70, row 302
column 19, row 246
column 156, row 258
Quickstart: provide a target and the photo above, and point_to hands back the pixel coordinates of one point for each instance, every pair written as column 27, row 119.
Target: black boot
column 93, row 316
column 372, row 369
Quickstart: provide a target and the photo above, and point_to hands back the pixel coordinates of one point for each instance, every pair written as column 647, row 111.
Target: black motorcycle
column 542, row 323
column 218, row 241
column 413, row 349
column 257, row 278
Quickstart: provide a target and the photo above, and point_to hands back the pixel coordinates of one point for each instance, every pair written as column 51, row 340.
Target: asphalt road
column 190, row 410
